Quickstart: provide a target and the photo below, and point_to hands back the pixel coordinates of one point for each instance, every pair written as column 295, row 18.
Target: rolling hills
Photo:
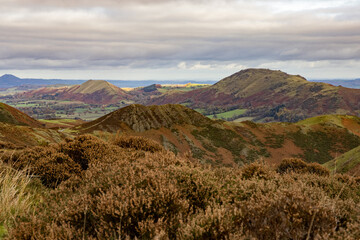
column 270, row 95
column 18, row 130
column 90, row 92
column 183, row 130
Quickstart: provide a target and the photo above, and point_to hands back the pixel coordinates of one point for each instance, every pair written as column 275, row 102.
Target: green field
column 226, row 115
column 334, row 119
column 181, row 88
column 244, row 119
column 49, row 109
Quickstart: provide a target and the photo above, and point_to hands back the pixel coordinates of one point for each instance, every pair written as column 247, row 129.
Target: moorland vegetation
column 131, row 187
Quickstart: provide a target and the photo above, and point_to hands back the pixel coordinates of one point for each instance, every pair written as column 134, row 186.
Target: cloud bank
column 203, row 38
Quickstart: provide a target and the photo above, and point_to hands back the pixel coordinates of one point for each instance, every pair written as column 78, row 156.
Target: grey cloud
column 157, row 37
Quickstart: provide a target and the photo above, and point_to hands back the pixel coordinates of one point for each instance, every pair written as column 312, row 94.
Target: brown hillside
column 91, row 92
column 15, row 136
column 183, row 130
column 11, row 115
column 271, row 94
column 140, row 118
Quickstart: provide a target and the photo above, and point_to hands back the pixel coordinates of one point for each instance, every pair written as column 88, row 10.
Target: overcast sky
column 174, row 39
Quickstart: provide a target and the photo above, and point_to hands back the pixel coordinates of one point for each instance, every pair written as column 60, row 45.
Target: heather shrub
column 111, row 201
column 198, row 188
column 292, row 165
column 51, row 166
column 213, row 223
column 7, row 145
column 317, row 169
column 85, row 149
column 144, row 195
column 299, row 166
column 9, row 156
column 287, row 214
column 256, row 170
column 138, row 143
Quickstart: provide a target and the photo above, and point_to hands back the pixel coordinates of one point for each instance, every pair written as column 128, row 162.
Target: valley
column 234, row 122
column 255, row 131
column 260, row 95
column 63, row 109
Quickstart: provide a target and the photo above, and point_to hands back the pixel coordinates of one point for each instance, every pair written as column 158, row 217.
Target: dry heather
column 137, row 194
column 299, row 166
column 137, row 143
column 56, row 163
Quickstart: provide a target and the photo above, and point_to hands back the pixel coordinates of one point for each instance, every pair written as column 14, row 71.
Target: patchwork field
column 49, row 109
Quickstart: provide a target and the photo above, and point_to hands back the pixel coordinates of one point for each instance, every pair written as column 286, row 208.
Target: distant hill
column 355, row 83
column 9, row 80
column 95, row 92
column 270, row 95
column 13, row 116
column 91, row 92
column 183, row 130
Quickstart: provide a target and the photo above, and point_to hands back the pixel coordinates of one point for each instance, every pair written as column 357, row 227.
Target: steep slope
column 348, row 163
column 140, row 118
column 91, row 92
column 18, row 130
column 13, row 116
column 16, row 136
column 184, row 131
column 271, row 95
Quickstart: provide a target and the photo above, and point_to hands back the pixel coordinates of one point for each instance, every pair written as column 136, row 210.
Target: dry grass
column 15, row 197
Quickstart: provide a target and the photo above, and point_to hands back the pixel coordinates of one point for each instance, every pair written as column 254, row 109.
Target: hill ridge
column 270, row 95
column 13, row 116
column 90, row 92
column 92, row 86
column 140, row 118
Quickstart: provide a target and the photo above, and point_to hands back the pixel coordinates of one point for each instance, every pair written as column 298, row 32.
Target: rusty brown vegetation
column 132, row 188
column 138, row 143
column 299, row 166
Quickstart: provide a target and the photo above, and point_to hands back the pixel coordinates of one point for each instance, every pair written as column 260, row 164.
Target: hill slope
column 274, row 95
column 13, row 116
column 183, row 130
column 348, row 163
column 91, row 92
column 16, row 136
column 140, row 118
column 345, row 83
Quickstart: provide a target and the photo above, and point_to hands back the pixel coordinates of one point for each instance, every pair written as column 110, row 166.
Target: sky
column 178, row 39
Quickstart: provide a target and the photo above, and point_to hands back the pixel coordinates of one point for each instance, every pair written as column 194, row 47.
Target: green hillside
column 349, row 162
